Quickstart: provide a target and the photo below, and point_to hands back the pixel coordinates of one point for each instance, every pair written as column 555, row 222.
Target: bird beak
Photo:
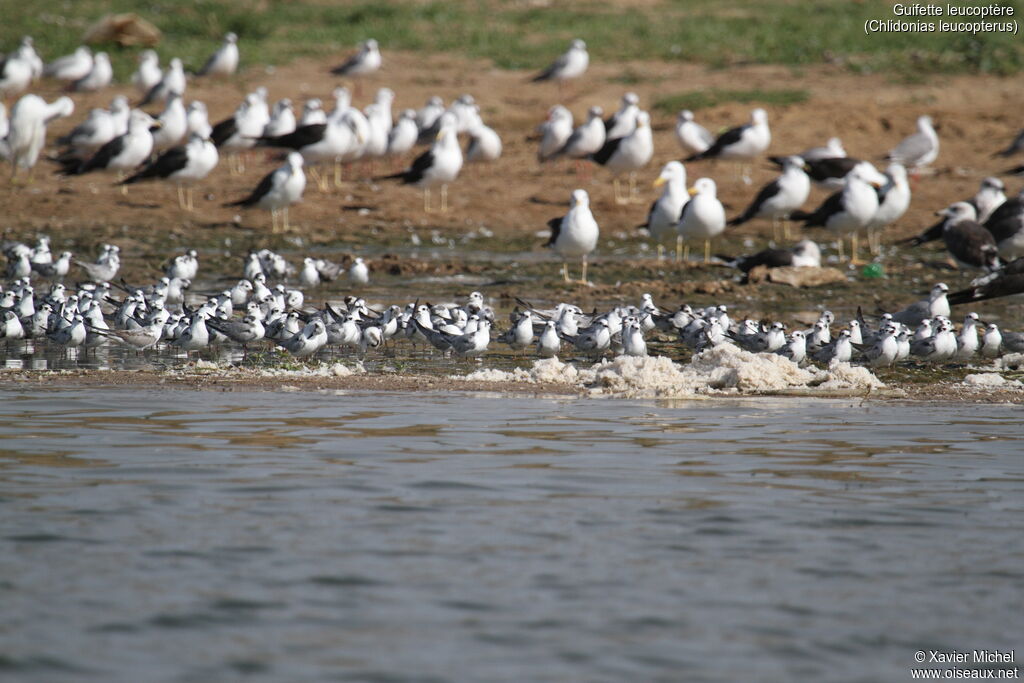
column 440, row 134
column 875, row 184
column 157, row 125
column 659, row 181
column 692, row 191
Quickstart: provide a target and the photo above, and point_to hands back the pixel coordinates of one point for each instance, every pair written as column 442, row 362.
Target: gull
column 936, row 304
column 1007, row 281
column 484, row 143
column 587, row 139
column 197, row 335
column 967, row 340
column 223, row 62
column 1016, row 145
column 629, row 153
column 365, row 61
column 917, row 150
column 358, row 272
column 845, row 212
column 743, row 143
column 70, row 67
column 633, row 343
column 832, row 149
column 703, row 217
column 312, row 112
column 404, row 133
column 139, row 338
column 520, row 335
column 184, row 266
column 572, row 64
column 55, row 270
column 623, row 121
column 692, row 137
column 148, row 72
column 795, row 348
column 197, row 120
column 574, row 234
column 69, row 333
column 243, row 332
column 317, row 143
column 99, row 76
column 884, row 350
column 831, row 172
column 428, row 115
column 278, row 190
column 282, row 119
column 172, row 122
column 173, row 80
column 240, row 131
column 376, row 144
column 665, row 211
column 970, row 244
column 185, row 165
column 123, row 153
column 990, row 196
column 548, row 341
column 555, row 132
column 11, row 327
column 594, row 340
column 15, row 75
column 771, row 339
column 940, row 346
column 779, row 198
column 309, row 276
column 840, row 351
column 804, row 254
column 99, row 128
column 991, row 341
column 439, row 165
column 27, row 136
column 1006, row 223
column 893, row 202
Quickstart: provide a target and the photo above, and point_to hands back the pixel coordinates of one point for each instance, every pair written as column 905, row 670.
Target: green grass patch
column 719, row 33
column 702, row 99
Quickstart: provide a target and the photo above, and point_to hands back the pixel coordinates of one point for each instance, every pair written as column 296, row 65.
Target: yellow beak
column 440, row 134
column 692, row 191
column 659, row 181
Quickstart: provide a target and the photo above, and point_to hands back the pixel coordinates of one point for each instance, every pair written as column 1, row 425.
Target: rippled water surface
column 201, row 536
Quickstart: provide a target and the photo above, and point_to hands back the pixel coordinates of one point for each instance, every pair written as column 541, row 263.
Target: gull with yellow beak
column 575, row 233
column 667, row 209
column 628, row 153
column 439, row 165
column 703, row 217
column 846, row 212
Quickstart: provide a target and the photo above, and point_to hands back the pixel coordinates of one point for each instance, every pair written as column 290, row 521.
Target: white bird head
column 897, row 172
column 643, row 120
column 704, row 187
column 579, row 45
column 759, row 117
column 370, row 45
column 959, row 211
column 295, row 160
column 630, row 99
column 673, row 171
column 580, row 198
column 685, row 115
column 230, row 37
column 595, row 112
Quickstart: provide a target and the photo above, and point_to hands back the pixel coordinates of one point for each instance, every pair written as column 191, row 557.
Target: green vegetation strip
column 524, row 36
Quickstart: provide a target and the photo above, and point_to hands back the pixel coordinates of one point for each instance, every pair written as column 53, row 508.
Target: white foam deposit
column 991, row 380
column 725, row 368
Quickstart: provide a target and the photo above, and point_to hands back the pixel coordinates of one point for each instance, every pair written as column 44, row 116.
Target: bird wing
column 602, row 155
column 767, row 192
column 729, row 137
column 420, row 166
column 101, row 159
column 1006, row 220
column 911, row 148
column 818, row 218
column 265, row 186
column 303, row 136
column 169, row 162
column 821, row 170
column 970, row 243
column 345, row 67
column 556, row 228
column 223, row 131
column 552, row 70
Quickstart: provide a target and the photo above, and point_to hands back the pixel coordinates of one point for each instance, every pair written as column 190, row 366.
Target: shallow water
column 198, row 536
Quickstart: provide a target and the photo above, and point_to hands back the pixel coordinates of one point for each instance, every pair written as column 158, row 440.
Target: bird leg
column 686, row 252
column 286, row 227
column 619, row 199
column 583, row 276
column 854, row 247
column 661, row 251
column 240, row 161
column 679, row 246
column 337, row 172
column 775, row 228
column 189, row 195
column 707, row 251
column 786, row 229
column 273, row 221
column 633, row 196
column 124, row 188
column 426, row 200
column 444, row 198
column 565, row 271
column 841, row 248
column 181, row 199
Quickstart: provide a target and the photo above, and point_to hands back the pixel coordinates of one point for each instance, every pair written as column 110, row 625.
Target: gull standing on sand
column 587, row 139
column 99, row 76
column 223, row 62
column 148, row 73
column 555, row 132
column 917, row 150
column 185, row 165
column 572, row 64
column 173, row 80
column 575, row 234
column 27, row 135
column 893, row 202
column 278, row 190
column 70, row 67
column 779, row 198
column 439, row 165
column 666, row 210
column 743, row 143
column 970, row 244
column 846, row 212
column 123, row 153
column 692, row 137
column 703, row 217
column 629, row 153
column 623, row 121
column 365, row 61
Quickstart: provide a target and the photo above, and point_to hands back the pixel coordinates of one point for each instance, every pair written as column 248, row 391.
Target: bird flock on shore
column 181, row 146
